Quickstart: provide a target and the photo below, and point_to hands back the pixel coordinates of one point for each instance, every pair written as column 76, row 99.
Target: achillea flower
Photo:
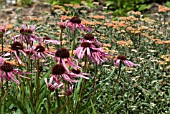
column 75, row 23
column 62, row 56
column 7, row 73
column 17, row 47
column 90, row 37
column 125, row 61
column 52, row 86
column 60, row 73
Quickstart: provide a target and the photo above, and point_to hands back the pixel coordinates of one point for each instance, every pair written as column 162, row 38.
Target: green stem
column 37, row 80
column 58, row 102
column 48, row 101
column 83, row 83
column 61, row 37
column 73, row 43
column 2, row 44
column 3, row 95
column 30, row 81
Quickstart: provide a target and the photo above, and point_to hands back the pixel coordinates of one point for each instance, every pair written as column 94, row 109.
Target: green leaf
column 17, row 103
column 118, row 106
column 93, row 109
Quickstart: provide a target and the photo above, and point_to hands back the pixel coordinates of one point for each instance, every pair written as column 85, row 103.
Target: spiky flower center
column 89, row 37
column 58, row 69
column 17, row 46
column 76, row 71
column 46, row 37
column 85, row 44
column 75, row 20
column 25, row 31
column 122, row 57
column 40, row 49
column 7, row 67
column 62, row 53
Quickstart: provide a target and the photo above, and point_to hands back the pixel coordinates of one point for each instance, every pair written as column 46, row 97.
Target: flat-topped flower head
column 16, row 48
column 75, row 23
column 62, row 53
column 123, row 58
column 7, row 73
column 76, row 20
column 62, row 56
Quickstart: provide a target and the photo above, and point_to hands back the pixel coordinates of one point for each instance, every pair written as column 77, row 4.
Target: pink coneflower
column 1, row 61
column 40, row 51
column 7, row 72
column 60, row 73
column 85, row 48
column 62, row 56
column 17, row 47
column 3, row 31
column 27, row 29
column 76, row 73
column 62, row 25
column 90, row 37
column 26, row 34
column 47, row 40
column 125, row 61
column 75, row 22
column 99, row 56
column 52, row 86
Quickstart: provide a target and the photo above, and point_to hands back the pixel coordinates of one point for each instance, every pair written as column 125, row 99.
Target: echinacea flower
column 62, row 56
column 17, row 47
column 91, row 37
column 60, row 73
column 79, row 74
column 75, row 23
column 26, row 34
column 46, row 39
column 85, row 48
column 52, row 86
column 7, row 73
column 62, row 25
column 125, row 61
column 41, row 51
column 3, row 31
column 99, row 56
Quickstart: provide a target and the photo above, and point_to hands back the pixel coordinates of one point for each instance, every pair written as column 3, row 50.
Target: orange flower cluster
column 163, row 8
